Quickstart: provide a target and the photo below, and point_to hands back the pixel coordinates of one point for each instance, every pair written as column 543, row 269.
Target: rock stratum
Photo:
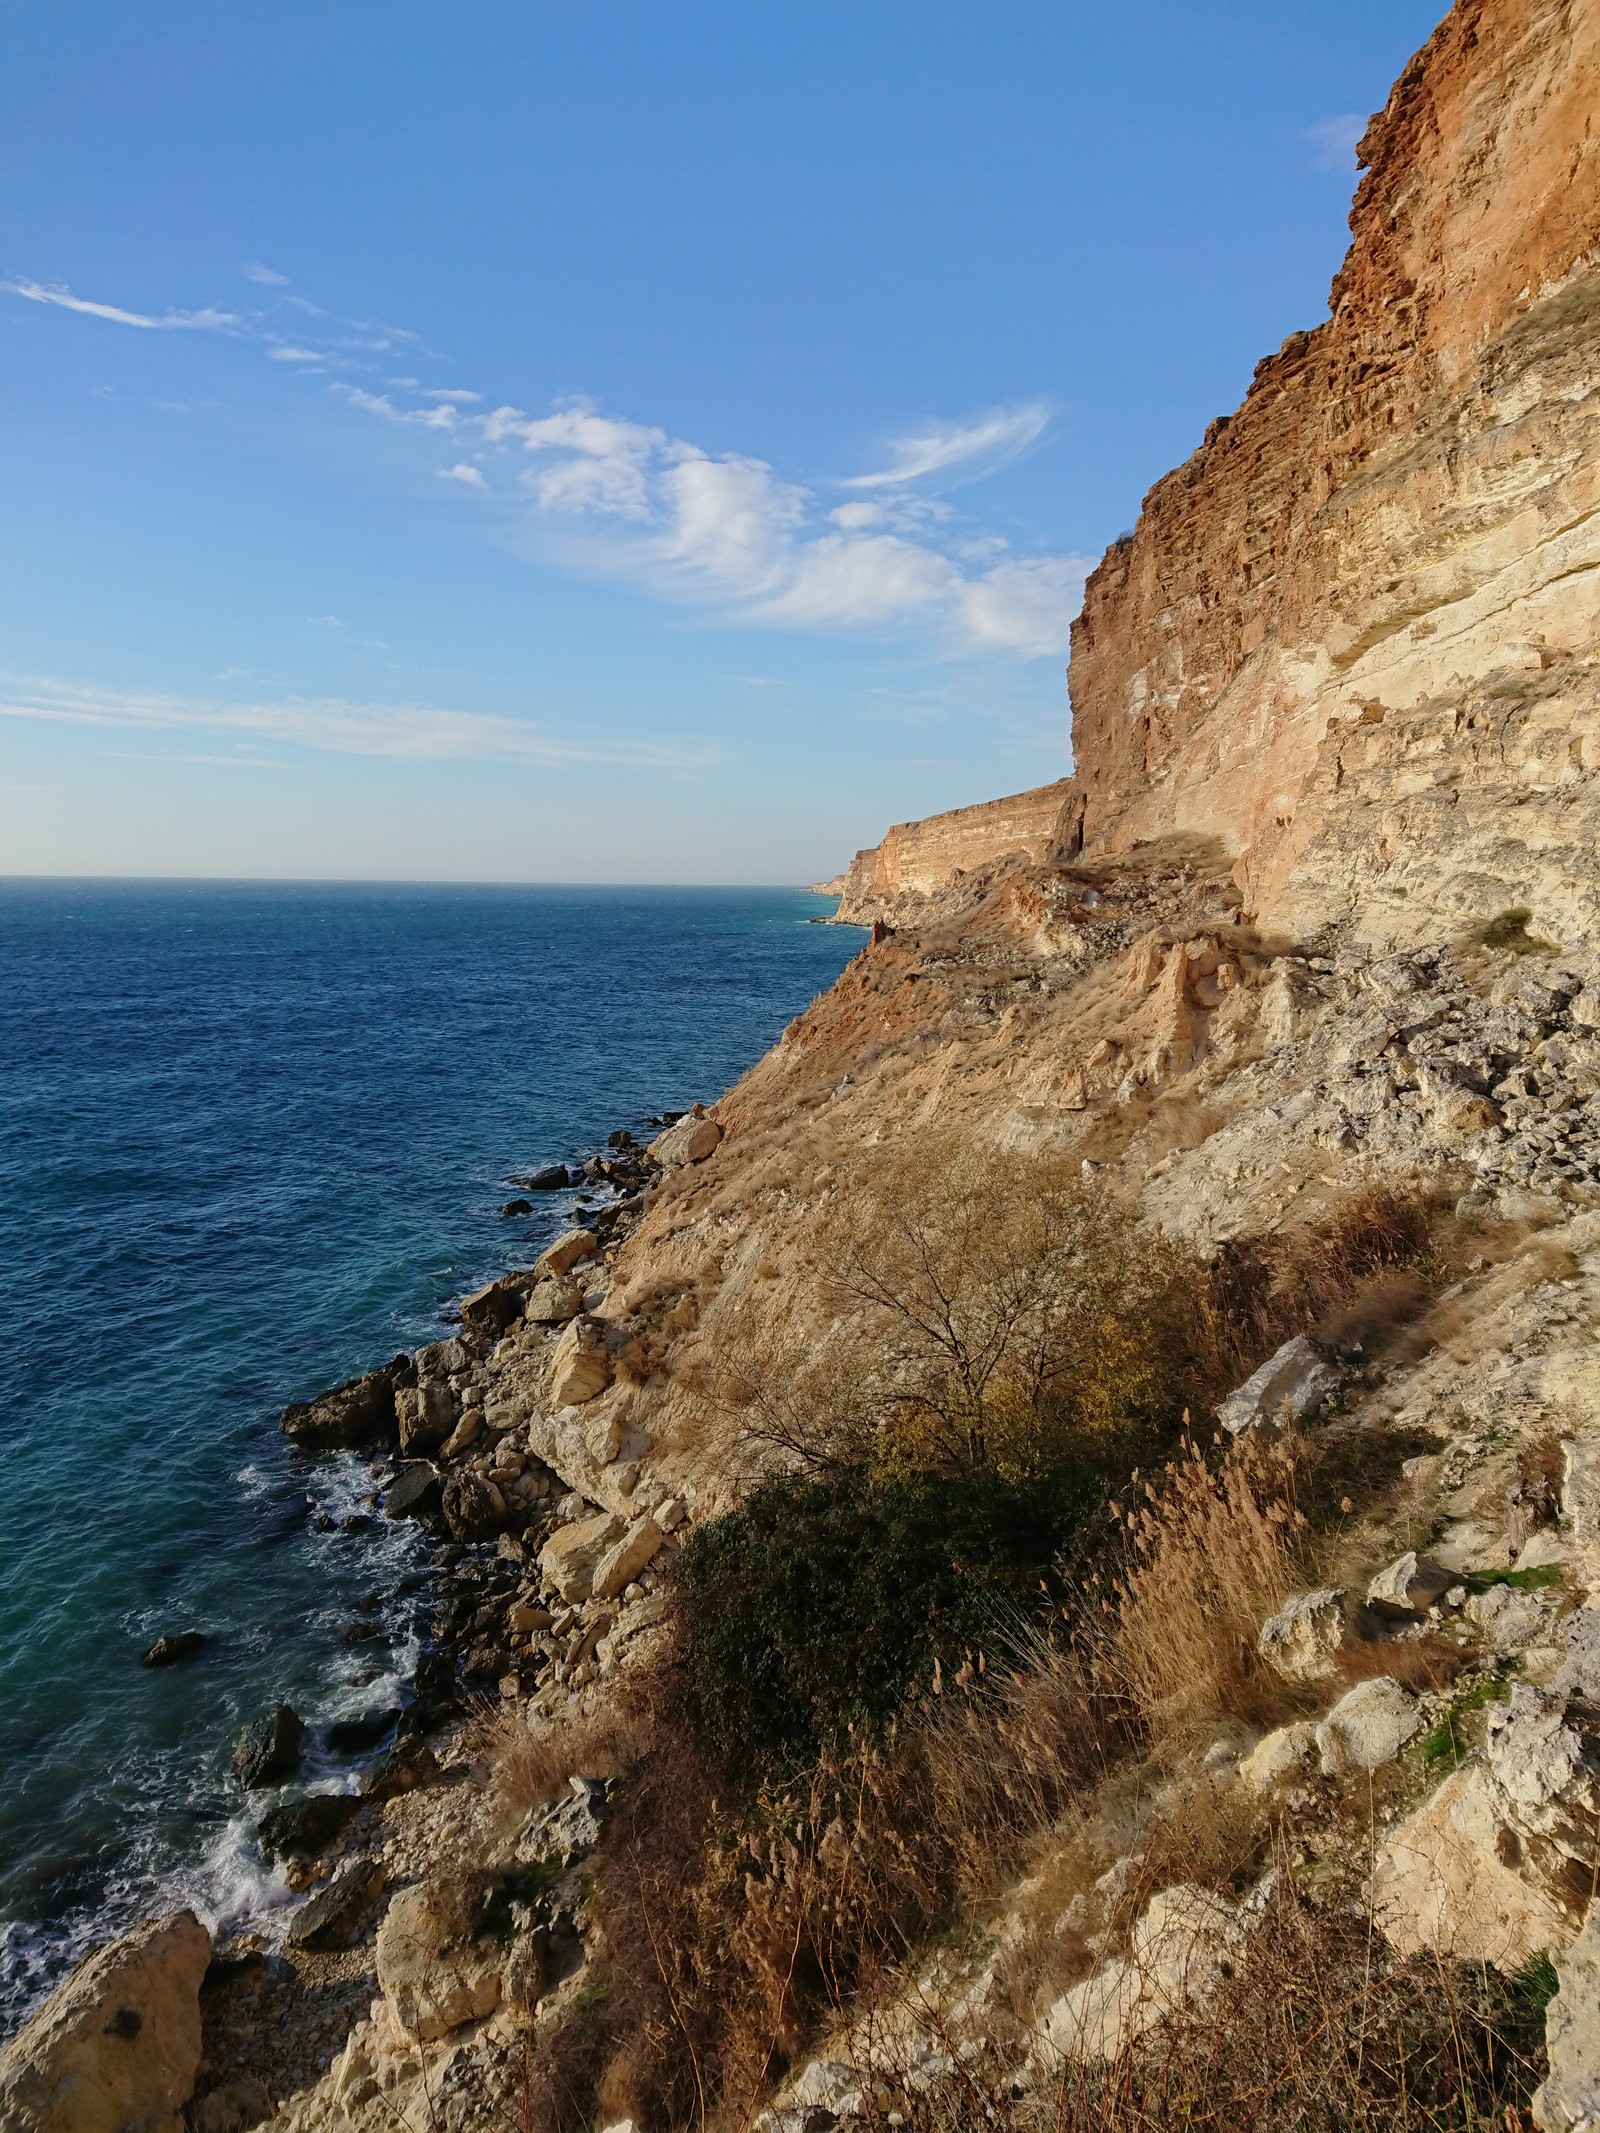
column 1351, row 639
column 1313, row 917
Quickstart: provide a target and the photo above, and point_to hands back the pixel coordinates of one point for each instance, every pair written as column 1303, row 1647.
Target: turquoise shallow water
column 253, row 1139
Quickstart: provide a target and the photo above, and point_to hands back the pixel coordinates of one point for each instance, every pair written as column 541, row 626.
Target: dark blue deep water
column 254, row 1139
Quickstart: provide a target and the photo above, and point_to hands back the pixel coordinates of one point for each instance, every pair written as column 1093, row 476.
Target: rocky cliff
column 1352, row 638
column 918, row 861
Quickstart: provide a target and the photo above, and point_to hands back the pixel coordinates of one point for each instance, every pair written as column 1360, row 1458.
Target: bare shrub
column 531, row 1758
column 1210, row 1552
column 990, row 1310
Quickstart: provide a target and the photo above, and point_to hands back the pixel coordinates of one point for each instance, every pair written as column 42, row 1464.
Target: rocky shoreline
column 531, row 1594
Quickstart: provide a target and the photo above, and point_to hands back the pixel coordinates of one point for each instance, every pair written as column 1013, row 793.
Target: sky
column 601, row 440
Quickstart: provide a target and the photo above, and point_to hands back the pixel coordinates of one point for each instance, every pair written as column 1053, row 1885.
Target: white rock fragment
column 1289, row 1385
column 1300, row 1640
column 1367, row 1727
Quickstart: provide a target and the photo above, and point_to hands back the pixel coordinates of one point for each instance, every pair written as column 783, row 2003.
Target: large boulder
column 1181, row 1948
column 553, row 1302
column 116, row 2047
column 496, row 1305
column 335, row 1915
column 414, row 1491
column 432, row 1969
column 571, row 1247
column 472, row 1506
column 625, row 1558
column 1301, row 1640
column 1499, row 1863
column 580, row 1368
column 1408, row 1587
column 360, row 1411
column 695, row 1137
column 1367, row 1727
column 268, row 1750
column 571, row 1555
column 425, row 1415
column 303, row 1829
column 1289, row 1386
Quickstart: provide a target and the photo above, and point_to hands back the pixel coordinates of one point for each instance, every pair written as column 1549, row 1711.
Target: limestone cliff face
column 1396, row 535
column 918, row 860
column 1352, row 641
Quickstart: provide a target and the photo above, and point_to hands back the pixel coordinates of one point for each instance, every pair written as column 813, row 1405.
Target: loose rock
column 332, row 1918
column 268, row 1750
column 1300, row 1640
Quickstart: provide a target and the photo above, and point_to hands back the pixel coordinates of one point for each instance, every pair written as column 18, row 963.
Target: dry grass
column 531, row 1758
column 1210, row 1552
column 1317, row 2030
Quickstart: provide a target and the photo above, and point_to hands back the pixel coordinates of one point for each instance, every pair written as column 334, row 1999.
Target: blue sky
column 595, row 441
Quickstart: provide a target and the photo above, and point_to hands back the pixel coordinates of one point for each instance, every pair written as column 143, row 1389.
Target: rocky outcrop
column 116, row 2047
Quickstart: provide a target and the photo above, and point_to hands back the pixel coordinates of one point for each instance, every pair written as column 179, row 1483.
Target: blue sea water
column 254, row 1139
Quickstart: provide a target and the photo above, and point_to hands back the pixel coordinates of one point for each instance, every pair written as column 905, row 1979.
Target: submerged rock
column 268, row 1750
column 303, row 1829
column 174, row 1649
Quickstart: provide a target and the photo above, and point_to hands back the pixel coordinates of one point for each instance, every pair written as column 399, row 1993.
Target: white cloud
column 286, row 354
column 264, row 276
column 207, row 321
column 428, row 418
column 439, row 392
column 993, row 439
column 334, row 725
column 1334, row 140
column 462, row 472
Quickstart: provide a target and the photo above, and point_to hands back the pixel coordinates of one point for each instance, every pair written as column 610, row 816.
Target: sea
column 254, row 1139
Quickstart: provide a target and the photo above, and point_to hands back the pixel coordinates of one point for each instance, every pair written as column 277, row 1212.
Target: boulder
column 425, row 1415
column 568, row 1249
column 1569, row 2097
column 414, row 1492
column 333, row 1917
column 570, row 1556
column 1300, row 1640
column 695, row 1137
column 496, row 1305
column 554, row 1177
column 1447, row 1878
column 1182, row 1947
column 569, row 1829
column 268, row 1750
column 553, row 1302
column 444, row 1359
column 1410, row 1585
column 433, row 1972
column 1498, row 1864
column 516, row 1207
column 116, row 2047
column 580, row 1368
column 1280, row 1757
column 406, row 1767
column 1510, row 1620
column 351, row 1736
column 1367, row 1727
column 1289, row 1386
column 303, row 1829
column 465, row 1434
column 358, row 1412
column 472, row 1507
column 173, row 1650
column 625, row 1558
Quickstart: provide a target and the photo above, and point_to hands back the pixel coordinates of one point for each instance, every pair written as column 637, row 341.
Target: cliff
column 918, row 861
column 1351, row 639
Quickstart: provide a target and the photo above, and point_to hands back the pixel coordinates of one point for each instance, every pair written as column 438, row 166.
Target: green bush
column 819, row 1606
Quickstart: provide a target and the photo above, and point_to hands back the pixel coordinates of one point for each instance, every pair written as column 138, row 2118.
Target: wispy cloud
column 335, row 725
column 1334, row 140
column 982, row 444
column 608, row 496
column 264, row 277
column 209, row 320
